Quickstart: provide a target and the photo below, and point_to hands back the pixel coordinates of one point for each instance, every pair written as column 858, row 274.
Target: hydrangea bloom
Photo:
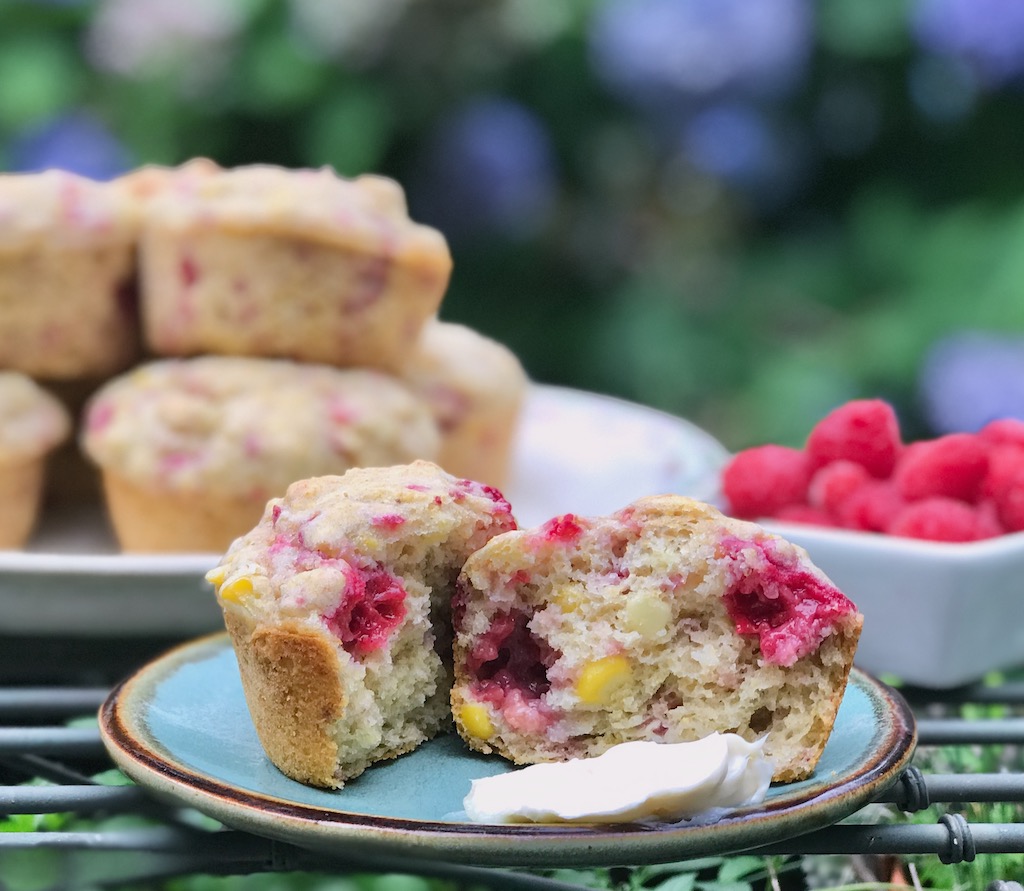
column 759, row 157
column 490, row 167
column 132, row 37
column 730, row 141
column 970, row 378
column 77, row 142
column 657, row 50
column 987, row 33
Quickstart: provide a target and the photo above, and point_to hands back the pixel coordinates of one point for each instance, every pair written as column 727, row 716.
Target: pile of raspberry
column 855, row 472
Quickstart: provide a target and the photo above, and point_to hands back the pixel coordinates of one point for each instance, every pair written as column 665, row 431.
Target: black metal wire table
column 38, row 740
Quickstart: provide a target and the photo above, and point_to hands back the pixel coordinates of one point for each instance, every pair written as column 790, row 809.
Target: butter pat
column 630, row 782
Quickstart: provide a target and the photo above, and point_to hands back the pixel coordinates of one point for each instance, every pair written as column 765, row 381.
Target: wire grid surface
column 40, row 740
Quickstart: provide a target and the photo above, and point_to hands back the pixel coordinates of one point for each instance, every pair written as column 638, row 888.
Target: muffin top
column 59, row 208
column 366, row 214
column 147, row 182
column 362, row 532
column 251, row 426
column 32, row 421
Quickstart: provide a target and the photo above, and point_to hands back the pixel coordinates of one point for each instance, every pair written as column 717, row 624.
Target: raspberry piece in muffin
column 338, row 605
column 664, row 621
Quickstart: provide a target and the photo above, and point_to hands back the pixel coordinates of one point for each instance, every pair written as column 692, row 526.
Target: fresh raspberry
column 871, row 508
column 988, row 519
column 1005, row 466
column 834, row 483
column 757, row 482
column 804, row 513
column 951, row 466
column 1004, row 486
column 1004, row 431
column 942, row 519
column 1010, row 509
column 864, row 430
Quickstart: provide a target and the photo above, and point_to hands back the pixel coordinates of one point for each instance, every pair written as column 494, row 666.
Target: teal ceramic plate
column 180, row 728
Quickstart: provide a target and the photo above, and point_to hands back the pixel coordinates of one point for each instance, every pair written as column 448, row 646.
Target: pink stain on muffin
column 99, row 416
column 175, row 461
column 252, row 445
column 789, row 610
column 368, row 286
column 565, row 530
column 188, row 271
column 342, row 412
column 470, row 487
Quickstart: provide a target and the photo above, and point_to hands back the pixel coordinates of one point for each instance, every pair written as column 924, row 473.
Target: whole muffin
column 476, row 387
column 67, row 276
column 664, row 621
column 32, row 424
column 301, row 264
column 191, row 449
column 337, row 603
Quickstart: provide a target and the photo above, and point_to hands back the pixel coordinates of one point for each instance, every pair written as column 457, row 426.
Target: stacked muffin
column 235, row 330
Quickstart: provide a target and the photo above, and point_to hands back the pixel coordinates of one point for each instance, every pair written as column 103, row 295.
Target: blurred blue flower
column 729, row 141
column 666, row 51
column 741, row 146
column 76, row 142
column 489, row 168
column 970, row 378
column 987, row 33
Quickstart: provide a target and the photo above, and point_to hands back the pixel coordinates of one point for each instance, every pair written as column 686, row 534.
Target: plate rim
column 519, row 845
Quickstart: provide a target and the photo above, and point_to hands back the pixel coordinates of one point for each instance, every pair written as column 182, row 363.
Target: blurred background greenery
column 741, row 212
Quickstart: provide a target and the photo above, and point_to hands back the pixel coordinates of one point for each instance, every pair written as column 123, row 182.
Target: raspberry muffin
column 191, row 449
column 337, row 603
column 32, row 424
column 301, row 264
column 664, row 621
column 67, row 267
column 476, row 387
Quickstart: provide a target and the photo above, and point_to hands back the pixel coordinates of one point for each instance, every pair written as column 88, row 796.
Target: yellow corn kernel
column 647, row 614
column 216, row 576
column 601, row 680
column 476, row 720
column 237, row 591
column 566, row 598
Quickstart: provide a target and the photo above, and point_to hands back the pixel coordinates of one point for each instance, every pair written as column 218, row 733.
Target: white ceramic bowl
column 935, row 614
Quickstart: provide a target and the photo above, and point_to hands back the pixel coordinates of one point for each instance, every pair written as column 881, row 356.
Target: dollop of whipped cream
column 631, row 782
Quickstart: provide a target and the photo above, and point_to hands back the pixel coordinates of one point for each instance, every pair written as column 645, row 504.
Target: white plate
column 935, row 614
column 576, row 452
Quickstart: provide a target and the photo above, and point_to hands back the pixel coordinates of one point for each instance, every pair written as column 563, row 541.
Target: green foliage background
column 650, row 279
